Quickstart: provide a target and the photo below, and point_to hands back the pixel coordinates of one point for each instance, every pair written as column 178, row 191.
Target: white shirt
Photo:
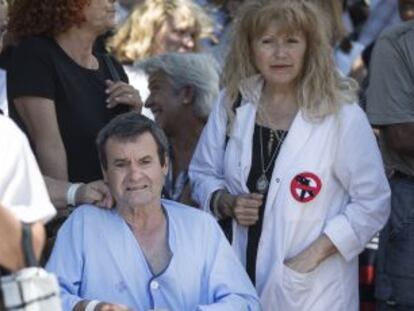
column 22, row 189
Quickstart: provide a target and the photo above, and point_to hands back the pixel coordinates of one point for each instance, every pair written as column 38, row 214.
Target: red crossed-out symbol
column 305, row 187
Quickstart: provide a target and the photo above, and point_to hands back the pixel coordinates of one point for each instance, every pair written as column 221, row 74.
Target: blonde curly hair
column 321, row 89
column 135, row 39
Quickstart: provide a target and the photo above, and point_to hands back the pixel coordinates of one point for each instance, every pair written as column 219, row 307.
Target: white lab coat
column 352, row 205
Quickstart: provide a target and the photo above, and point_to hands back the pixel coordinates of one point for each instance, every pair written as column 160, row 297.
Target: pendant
column 262, row 184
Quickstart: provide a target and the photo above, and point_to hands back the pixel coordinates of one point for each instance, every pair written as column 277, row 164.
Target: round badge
column 305, row 187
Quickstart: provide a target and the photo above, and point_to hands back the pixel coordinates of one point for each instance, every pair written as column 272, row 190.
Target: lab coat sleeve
column 206, row 167
column 22, row 189
column 229, row 287
column 66, row 260
column 359, row 168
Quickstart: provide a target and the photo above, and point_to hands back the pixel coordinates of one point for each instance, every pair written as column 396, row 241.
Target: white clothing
column 22, row 189
column 352, row 205
column 139, row 80
column 3, row 93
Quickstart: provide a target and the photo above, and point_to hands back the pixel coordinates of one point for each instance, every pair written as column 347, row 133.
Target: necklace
column 262, row 184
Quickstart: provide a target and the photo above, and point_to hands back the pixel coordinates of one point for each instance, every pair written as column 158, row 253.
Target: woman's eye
column 292, row 40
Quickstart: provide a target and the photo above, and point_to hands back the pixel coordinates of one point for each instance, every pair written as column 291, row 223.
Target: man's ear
column 166, row 165
column 104, row 174
column 187, row 94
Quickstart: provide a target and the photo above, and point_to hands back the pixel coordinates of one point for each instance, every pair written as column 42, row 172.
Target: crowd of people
column 211, row 154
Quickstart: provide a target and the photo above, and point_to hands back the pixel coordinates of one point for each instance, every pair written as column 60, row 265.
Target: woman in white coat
column 292, row 159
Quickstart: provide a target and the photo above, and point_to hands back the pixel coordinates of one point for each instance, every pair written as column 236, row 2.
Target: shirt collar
column 251, row 88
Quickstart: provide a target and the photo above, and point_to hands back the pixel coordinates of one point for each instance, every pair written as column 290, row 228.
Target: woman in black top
column 64, row 92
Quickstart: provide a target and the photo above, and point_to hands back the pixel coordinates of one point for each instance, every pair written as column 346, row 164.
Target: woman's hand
column 122, row 93
column 310, row 258
column 243, row 208
column 96, row 192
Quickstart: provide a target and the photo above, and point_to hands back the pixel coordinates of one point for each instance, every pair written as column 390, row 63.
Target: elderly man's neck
column 143, row 217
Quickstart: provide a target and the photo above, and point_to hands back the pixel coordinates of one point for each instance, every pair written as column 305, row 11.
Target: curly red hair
column 43, row 17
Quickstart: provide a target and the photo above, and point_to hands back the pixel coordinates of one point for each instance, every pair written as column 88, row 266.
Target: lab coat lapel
column 244, row 126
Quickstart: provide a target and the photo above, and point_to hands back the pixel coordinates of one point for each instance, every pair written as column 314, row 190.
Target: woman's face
column 279, row 56
column 175, row 36
column 100, row 15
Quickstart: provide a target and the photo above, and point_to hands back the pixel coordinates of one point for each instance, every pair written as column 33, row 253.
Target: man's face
column 134, row 173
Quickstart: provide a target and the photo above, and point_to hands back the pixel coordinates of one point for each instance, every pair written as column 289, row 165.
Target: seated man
column 146, row 253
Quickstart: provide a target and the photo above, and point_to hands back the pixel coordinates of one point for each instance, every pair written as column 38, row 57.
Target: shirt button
column 154, row 285
column 278, row 180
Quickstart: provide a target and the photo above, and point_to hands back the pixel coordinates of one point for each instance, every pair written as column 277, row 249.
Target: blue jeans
column 395, row 266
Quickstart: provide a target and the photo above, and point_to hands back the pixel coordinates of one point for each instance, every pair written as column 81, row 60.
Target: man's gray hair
column 197, row 70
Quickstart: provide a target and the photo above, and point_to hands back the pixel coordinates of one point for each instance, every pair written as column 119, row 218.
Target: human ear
column 187, row 94
column 104, row 174
column 166, row 165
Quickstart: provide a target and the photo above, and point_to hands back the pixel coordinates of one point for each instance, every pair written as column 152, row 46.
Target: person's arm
column 359, row 169
column 11, row 253
column 399, row 137
column 95, row 192
column 39, row 116
column 206, row 167
column 69, row 266
column 358, row 166
column 229, row 287
column 313, row 255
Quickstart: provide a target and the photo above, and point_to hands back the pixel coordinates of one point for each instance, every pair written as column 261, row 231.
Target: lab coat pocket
column 286, row 289
column 295, row 281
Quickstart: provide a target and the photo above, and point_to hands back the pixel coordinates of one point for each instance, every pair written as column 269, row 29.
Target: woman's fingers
column 122, row 93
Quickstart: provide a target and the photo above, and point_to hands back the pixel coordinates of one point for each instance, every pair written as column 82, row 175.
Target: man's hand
column 103, row 306
column 243, row 208
column 96, row 192
column 310, row 258
column 122, row 93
